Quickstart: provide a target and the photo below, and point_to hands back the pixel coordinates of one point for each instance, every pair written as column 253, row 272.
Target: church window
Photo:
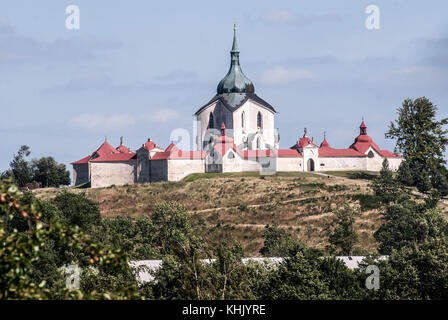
column 211, row 121
column 231, row 155
column 259, row 120
column 258, row 143
column 370, row 154
column 243, row 120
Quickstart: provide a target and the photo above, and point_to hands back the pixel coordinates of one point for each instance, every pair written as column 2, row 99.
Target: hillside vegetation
column 240, row 205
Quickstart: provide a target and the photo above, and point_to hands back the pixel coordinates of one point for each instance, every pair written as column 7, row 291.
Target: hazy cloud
column 5, row 25
column 280, row 75
column 177, row 75
column 102, row 122
column 19, row 49
column 162, row 115
column 287, row 17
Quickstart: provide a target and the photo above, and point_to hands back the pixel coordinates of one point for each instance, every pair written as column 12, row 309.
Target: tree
column 277, row 242
column 172, row 226
column 421, row 139
column 297, row 278
column 342, row 234
column 418, row 272
column 341, row 281
column 409, row 223
column 404, row 174
column 22, row 253
column 78, row 210
column 20, row 168
column 441, row 181
column 50, row 173
column 386, row 188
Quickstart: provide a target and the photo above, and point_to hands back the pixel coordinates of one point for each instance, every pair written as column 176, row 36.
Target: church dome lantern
column 235, row 81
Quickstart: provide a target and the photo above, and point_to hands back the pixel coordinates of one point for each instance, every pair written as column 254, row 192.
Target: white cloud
column 102, row 122
column 280, row 75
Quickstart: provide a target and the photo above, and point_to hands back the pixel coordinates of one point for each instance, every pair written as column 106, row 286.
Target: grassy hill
column 239, row 205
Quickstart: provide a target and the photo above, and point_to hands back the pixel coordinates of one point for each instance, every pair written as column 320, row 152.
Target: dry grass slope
column 239, row 205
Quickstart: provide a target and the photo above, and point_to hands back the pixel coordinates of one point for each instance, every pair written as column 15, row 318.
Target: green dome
column 235, row 81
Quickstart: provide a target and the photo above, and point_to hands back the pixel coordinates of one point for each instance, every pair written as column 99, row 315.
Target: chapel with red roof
column 235, row 133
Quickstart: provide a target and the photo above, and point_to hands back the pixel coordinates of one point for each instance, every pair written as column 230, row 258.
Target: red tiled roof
column 116, row 157
column 83, row 160
column 331, row 152
column 178, row 154
column 105, row 148
column 388, row 154
column 149, row 145
column 172, row 147
column 288, row 153
column 303, row 142
column 123, row 149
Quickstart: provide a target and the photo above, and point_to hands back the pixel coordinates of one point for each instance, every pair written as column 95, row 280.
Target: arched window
column 211, row 121
column 259, row 120
column 258, row 143
column 243, row 120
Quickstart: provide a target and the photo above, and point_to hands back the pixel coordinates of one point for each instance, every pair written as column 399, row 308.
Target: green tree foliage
column 77, row 210
column 297, row 278
column 441, row 182
column 408, row 223
column 342, row 282
column 20, row 169
column 172, row 226
column 22, row 254
column 183, row 275
column 50, row 173
column 405, row 174
column 342, row 233
column 419, row 271
column 421, row 139
column 277, row 242
column 44, row 170
column 385, row 186
column 135, row 236
column 307, row 271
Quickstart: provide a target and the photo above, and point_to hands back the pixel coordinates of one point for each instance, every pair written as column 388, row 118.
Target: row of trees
column 38, row 237
column 44, row 171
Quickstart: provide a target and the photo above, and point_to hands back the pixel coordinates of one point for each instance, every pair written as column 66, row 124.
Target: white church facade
column 235, row 133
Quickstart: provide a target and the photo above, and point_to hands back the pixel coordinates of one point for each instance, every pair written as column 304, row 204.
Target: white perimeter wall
column 180, row 168
column 290, row 164
column 103, row 174
column 335, row 164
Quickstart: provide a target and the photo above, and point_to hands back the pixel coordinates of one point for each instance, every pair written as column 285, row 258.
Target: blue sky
column 140, row 69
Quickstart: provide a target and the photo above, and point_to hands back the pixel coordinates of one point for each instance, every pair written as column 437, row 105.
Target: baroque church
column 235, row 133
